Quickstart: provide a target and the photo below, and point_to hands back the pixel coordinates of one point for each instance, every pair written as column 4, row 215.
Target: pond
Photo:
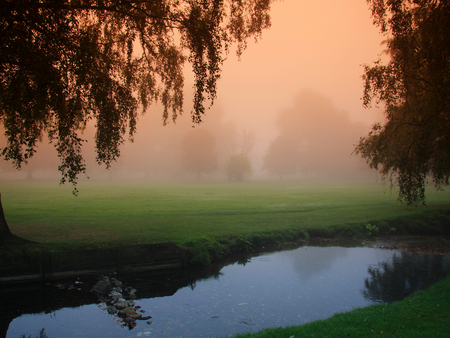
column 271, row 290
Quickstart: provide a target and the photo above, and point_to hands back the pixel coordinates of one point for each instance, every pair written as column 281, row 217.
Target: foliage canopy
column 414, row 141
column 64, row 63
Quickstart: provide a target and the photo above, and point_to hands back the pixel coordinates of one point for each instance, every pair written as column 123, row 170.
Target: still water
column 272, row 290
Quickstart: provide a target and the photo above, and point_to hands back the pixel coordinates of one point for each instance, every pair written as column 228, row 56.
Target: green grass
column 424, row 314
column 111, row 213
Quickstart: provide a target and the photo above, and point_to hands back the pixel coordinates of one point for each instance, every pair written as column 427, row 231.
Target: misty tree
column 244, row 142
column 282, row 157
column 198, row 152
column 238, row 167
column 64, row 63
column 325, row 135
column 414, row 142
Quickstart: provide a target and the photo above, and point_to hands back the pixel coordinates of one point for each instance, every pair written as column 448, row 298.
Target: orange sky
column 318, row 44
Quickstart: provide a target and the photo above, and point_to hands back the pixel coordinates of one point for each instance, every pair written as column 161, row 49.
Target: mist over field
column 309, row 138
column 289, row 108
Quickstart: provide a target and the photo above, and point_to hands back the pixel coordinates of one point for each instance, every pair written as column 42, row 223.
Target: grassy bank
column 423, row 314
column 112, row 213
column 211, row 219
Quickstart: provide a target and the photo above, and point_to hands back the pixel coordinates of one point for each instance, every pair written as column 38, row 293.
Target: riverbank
column 39, row 262
column 437, row 223
column 208, row 250
column 423, row 314
column 208, row 222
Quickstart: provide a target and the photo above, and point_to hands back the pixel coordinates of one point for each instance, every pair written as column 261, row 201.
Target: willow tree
column 64, row 63
column 413, row 144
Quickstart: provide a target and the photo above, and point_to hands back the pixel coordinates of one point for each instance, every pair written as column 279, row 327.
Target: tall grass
column 110, row 213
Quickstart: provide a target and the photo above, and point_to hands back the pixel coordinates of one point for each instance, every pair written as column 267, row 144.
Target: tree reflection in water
column 395, row 279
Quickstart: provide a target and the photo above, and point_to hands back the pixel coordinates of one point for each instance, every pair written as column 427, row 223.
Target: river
column 284, row 288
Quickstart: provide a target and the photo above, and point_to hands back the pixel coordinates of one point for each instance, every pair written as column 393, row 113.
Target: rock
column 114, row 296
column 115, row 299
column 116, row 289
column 102, row 287
column 131, row 292
column 149, row 322
column 112, row 310
column 116, row 283
column 130, row 312
column 121, row 304
column 129, row 322
column 115, row 293
column 112, row 292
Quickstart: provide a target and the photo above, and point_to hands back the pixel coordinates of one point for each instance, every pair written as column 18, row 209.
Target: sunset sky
column 319, row 45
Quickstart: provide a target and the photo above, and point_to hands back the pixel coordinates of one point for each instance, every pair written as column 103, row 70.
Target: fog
column 322, row 135
column 301, row 82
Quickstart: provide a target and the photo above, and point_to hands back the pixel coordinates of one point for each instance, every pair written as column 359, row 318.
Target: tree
column 243, row 142
column 282, row 157
column 4, row 229
column 45, row 159
column 414, row 141
column 238, row 167
column 323, row 134
column 5, row 232
column 64, row 63
column 198, row 152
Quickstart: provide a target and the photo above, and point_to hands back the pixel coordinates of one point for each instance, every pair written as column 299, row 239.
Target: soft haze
column 312, row 46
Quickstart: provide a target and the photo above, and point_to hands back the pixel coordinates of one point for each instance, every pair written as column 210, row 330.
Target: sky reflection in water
column 280, row 289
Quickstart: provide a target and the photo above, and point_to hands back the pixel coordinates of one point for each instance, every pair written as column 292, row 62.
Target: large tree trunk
column 5, row 233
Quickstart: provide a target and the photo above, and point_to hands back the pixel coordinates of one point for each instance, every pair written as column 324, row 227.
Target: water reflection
column 271, row 290
column 315, row 260
column 404, row 273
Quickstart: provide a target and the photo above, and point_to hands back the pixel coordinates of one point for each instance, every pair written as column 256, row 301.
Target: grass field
column 128, row 212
